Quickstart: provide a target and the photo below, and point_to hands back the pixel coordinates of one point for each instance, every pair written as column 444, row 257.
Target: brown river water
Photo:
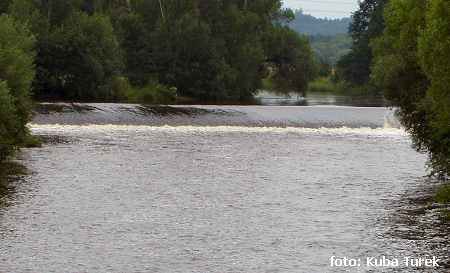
column 131, row 188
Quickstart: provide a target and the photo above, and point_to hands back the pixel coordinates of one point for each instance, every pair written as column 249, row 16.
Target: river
column 132, row 188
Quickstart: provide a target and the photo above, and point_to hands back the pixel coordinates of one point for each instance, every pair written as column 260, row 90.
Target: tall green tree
column 16, row 75
column 58, row 11
column 136, row 43
column 9, row 125
column 353, row 69
column 291, row 56
column 210, row 50
column 80, row 60
column 214, row 50
column 411, row 62
column 434, row 56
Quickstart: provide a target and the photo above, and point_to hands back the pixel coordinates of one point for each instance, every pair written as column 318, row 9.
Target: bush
column 16, row 74
column 154, row 92
column 323, row 84
column 443, row 196
column 80, row 60
column 16, row 64
column 9, row 127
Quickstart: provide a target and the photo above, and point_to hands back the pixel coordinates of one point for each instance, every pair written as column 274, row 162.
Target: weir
column 214, row 115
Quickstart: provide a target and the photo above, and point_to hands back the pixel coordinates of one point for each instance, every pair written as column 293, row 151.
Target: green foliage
column 24, row 11
column 330, row 47
column 213, row 50
column 353, row 69
column 56, row 12
column 328, row 37
column 443, row 196
column 16, row 74
column 434, row 56
column 412, row 58
column 16, row 64
column 323, row 84
column 135, row 41
column 324, row 67
column 210, row 50
column 189, row 59
column 4, row 4
column 80, row 60
column 9, row 127
column 290, row 58
column 154, row 92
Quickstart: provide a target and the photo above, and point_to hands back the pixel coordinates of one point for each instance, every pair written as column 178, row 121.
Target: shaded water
column 226, row 115
column 317, row 98
column 127, row 188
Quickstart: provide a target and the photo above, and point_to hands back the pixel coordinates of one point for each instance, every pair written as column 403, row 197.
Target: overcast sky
column 324, row 8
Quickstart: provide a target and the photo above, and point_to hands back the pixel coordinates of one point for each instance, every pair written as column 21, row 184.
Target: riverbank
column 442, row 196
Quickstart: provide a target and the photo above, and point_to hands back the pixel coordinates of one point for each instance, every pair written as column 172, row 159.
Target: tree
column 211, row 50
column 292, row 59
column 16, row 74
column 56, row 11
column 136, row 42
column 80, row 60
column 9, row 127
column 434, row 56
column 4, row 5
column 215, row 50
column 411, row 62
column 353, row 69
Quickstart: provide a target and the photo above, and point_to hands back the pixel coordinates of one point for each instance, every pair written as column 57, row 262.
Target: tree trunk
column 162, row 10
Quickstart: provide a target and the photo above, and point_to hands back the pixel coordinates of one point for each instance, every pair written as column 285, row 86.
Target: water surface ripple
column 192, row 198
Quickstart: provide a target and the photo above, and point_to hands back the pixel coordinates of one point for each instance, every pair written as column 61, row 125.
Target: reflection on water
column 126, row 196
column 51, row 108
column 12, row 174
column 318, row 98
column 415, row 219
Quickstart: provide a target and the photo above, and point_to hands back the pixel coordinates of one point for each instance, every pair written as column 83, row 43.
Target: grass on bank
column 443, row 196
column 323, row 84
column 326, row 84
column 152, row 93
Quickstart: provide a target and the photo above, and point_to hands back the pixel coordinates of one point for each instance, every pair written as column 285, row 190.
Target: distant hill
column 328, row 37
column 330, row 47
column 310, row 25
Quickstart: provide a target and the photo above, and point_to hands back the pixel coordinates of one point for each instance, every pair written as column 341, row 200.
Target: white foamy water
column 46, row 128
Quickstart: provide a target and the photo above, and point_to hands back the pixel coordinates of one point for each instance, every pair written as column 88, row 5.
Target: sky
column 324, row 8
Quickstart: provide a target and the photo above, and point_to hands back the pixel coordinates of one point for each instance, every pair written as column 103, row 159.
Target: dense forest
column 207, row 50
column 141, row 50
